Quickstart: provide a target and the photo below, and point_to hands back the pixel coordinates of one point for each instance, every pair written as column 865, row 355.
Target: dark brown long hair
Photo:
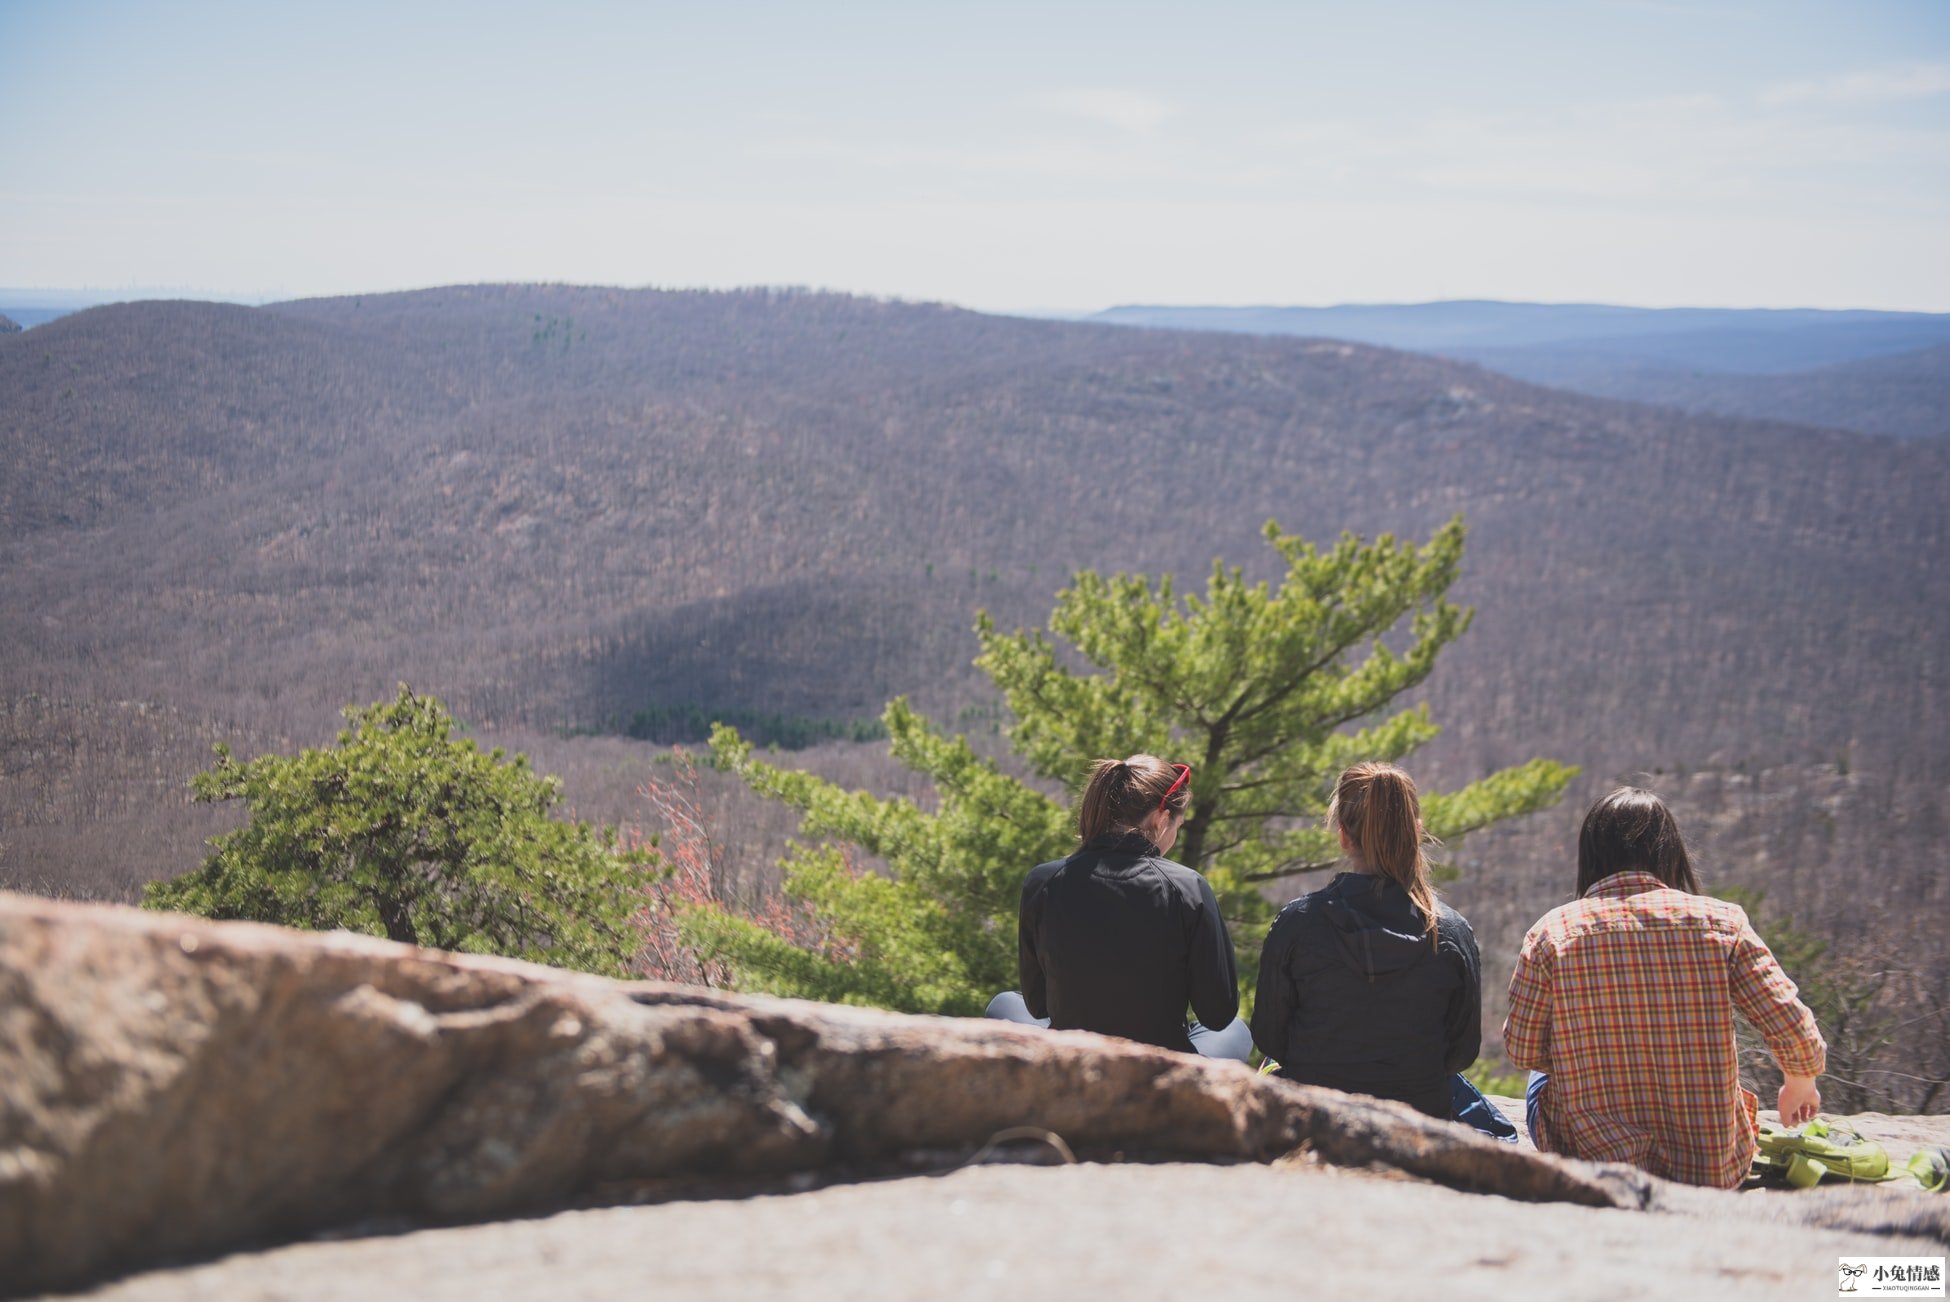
column 1376, row 806
column 1122, row 793
column 1631, row 830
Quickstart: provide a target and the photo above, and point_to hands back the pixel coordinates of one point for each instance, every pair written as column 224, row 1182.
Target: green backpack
column 1803, row 1157
column 1931, row 1167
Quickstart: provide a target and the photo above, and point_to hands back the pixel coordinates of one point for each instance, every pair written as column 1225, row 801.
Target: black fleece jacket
column 1352, row 995
column 1118, row 939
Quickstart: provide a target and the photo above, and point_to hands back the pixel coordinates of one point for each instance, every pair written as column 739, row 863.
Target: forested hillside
column 570, row 511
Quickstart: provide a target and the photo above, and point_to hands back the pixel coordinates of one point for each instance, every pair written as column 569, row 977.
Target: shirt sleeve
column 1273, row 998
column 1029, row 967
column 1767, row 998
column 1214, row 975
column 1527, row 1030
column 1463, row 1024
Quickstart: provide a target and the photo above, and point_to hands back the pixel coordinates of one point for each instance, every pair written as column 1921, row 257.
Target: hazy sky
column 999, row 155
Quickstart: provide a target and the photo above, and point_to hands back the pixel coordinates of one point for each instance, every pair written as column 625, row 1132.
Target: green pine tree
column 930, row 934
column 404, row 831
column 1267, row 691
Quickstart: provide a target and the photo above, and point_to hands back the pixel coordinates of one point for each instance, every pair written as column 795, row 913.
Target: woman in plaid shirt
column 1622, row 1006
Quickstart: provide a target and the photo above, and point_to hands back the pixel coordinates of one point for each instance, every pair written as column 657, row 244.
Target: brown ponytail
column 1123, row 793
column 1376, row 807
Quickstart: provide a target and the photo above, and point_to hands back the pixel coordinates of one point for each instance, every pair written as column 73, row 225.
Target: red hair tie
column 1184, row 776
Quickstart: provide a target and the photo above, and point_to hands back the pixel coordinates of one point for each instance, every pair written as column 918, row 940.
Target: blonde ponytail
column 1376, row 808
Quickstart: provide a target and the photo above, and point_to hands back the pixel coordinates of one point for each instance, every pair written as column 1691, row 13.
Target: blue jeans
column 1533, row 1102
column 1467, row 1105
column 1234, row 1041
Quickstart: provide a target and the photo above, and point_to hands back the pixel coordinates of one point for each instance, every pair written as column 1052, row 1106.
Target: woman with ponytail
column 1370, row 984
column 1120, row 940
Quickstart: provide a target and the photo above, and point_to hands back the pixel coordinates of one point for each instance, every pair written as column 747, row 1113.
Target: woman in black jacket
column 1370, row 984
column 1117, row 938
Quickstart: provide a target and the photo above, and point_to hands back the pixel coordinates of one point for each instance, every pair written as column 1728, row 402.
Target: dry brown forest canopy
column 572, row 513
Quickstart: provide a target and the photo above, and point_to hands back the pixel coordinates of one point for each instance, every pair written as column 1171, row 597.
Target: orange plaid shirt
column 1626, row 998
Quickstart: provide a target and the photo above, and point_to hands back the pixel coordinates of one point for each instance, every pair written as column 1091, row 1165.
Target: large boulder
column 176, row 1086
column 170, row 1086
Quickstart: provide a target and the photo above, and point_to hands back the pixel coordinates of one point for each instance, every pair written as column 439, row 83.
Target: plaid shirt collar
column 1620, row 885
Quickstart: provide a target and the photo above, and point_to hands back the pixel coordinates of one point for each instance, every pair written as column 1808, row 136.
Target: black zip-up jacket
column 1352, row 995
column 1118, row 939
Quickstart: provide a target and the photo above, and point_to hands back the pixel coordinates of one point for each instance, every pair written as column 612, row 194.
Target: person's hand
column 1800, row 1100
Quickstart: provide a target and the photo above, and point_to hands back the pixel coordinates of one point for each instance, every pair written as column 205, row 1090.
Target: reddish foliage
column 692, row 877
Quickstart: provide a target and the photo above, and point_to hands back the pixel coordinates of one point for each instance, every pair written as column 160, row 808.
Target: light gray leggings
column 1234, row 1041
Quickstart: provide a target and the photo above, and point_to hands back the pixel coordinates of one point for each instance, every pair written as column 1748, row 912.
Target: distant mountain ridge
column 32, row 307
column 1749, row 341
column 1906, row 395
column 1764, row 364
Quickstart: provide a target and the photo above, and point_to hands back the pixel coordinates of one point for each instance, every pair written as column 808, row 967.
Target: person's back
column 1353, row 995
column 1623, row 1003
column 1371, row 984
column 1119, row 940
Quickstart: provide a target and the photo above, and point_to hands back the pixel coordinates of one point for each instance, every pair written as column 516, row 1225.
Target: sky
column 1043, row 156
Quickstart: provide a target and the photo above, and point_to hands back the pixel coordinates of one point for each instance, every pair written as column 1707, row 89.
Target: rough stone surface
column 1180, row 1232
column 171, row 1088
